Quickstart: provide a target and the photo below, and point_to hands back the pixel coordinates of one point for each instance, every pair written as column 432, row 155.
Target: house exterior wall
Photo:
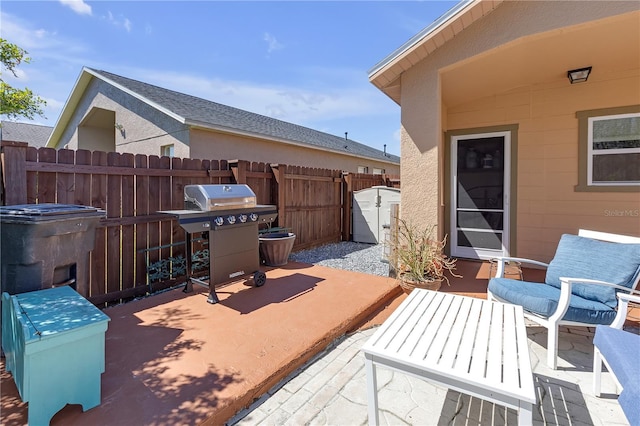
column 139, row 128
column 548, row 204
column 94, row 138
column 209, row 144
column 144, row 129
column 544, row 111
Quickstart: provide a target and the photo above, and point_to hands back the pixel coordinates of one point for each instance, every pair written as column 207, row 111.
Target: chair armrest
column 623, row 307
column 502, row 260
column 565, row 297
column 595, row 282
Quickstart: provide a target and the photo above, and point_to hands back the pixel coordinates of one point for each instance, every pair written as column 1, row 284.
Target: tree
column 14, row 102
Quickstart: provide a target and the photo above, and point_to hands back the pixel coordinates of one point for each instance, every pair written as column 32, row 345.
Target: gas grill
column 230, row 217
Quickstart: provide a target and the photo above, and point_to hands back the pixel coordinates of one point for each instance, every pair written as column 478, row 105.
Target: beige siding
column 509, row 69
column 547, row 170
column 209, row 144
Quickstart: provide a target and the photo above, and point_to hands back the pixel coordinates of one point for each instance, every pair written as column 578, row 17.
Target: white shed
column 372, row 213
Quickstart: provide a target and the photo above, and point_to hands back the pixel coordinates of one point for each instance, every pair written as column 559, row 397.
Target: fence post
column 393, row 238
column 279, row 175
column 14, row 173
column 347, row 192
column 239, row 169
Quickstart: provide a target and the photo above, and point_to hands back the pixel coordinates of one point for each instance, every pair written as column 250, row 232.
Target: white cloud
column 78, row 6
column 39, row 42
column 272, row 43
column 120, row 21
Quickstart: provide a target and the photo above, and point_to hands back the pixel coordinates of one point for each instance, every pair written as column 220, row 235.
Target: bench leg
column 372, row 391
column 597, row 371
column 552, row 346
column 525, row 414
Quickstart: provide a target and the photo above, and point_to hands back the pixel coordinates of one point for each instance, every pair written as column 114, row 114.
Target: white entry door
column 480, row 193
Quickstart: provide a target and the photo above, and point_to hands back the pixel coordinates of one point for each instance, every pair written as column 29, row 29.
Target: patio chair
column 581, row 283
column 618, row 350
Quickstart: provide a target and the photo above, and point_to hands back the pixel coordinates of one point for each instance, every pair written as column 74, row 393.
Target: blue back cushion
column 580, row 257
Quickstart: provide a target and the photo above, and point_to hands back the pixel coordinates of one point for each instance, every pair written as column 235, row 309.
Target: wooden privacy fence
column 132, row 189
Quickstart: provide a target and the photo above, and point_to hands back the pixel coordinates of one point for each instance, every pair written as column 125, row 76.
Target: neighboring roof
column 201, row 113
column 34, row 134
column 386, row 73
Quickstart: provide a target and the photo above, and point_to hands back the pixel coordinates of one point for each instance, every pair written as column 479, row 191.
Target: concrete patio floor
column 172, row 358
column 332, row 391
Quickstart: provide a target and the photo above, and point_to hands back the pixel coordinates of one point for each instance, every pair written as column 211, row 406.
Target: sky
column 305, row 62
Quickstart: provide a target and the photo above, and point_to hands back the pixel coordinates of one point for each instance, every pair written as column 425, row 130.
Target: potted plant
column 275, row 246
column 419, row 258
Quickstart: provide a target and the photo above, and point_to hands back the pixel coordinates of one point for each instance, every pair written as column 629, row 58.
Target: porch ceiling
column 610, row 45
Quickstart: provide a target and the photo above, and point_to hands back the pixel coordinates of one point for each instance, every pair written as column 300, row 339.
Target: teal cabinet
column 54, row 344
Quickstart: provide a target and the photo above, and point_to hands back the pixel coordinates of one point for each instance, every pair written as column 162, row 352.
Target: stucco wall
column 547, row 164
column 144, row 129
column 544, row 110
column 95, row 139
column 213, row 145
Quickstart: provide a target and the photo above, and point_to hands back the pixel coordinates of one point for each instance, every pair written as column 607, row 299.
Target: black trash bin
column 46, row 245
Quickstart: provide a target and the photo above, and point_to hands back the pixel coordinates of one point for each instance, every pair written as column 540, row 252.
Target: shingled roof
column 33, row 134
column 200, row 112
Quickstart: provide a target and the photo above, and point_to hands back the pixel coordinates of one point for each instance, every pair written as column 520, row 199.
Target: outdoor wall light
column 580, row 75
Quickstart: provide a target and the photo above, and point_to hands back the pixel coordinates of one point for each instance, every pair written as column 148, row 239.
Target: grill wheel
column 259, row 278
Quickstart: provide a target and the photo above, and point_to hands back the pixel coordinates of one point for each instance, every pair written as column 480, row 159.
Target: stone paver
column 331, row 390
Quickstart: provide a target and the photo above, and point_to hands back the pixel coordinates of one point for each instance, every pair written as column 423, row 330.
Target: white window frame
column 591, row 152
column 363, row 169
column 165, row 148
column 378, row 171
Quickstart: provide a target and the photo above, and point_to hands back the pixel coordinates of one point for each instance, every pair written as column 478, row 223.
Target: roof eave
column 70, row 106
column 385, row 75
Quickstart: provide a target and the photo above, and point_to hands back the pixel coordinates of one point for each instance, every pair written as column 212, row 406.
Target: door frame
column 510, row 176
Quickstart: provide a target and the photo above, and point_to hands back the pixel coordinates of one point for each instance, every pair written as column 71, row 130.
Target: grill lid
column 218, row 197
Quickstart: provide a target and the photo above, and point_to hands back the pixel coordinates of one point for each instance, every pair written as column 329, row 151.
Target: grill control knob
column 219, row 221
column 253, row 217
column 231, row 220
column 243, row 218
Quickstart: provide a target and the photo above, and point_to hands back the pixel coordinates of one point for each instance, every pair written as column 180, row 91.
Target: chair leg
column 597, row 371
column 552, row 346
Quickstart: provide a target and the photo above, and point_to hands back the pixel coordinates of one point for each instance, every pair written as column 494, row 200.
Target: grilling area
column 229, row 218
column 173, row 358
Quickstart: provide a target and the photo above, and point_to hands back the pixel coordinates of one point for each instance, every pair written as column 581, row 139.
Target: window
column 363, row 169
column 166, row 150
column 378, row 171
column 614, row 150
column 609, row 149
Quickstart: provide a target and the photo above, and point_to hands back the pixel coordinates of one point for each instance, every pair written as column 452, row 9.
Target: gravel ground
column 346, row 255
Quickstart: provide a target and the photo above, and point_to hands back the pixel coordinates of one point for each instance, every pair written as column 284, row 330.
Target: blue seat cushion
column 580, row 257
column 620, row 349
column 542, row 299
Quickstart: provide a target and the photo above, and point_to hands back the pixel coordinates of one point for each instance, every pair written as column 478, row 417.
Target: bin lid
column 46, row 211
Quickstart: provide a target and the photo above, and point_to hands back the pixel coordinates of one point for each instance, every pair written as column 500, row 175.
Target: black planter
column 276, row 247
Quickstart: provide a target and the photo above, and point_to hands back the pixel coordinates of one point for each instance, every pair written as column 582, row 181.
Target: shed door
column 480, row 195
column 372, row 213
